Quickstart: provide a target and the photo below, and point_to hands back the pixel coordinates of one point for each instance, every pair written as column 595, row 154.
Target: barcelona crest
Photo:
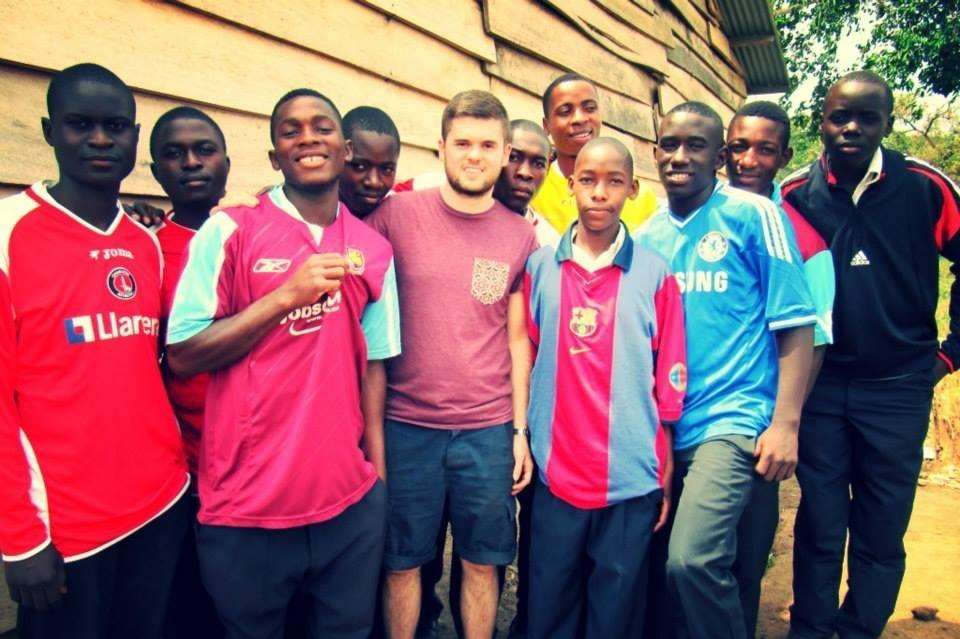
column 356, row 261
column 583, row 322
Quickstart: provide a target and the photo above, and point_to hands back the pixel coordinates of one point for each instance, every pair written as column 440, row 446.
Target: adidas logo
column 860, row 259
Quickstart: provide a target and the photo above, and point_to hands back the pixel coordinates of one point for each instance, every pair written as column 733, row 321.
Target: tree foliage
column 914, row 44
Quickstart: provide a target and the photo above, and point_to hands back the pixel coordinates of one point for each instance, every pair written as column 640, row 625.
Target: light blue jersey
column 740, row 272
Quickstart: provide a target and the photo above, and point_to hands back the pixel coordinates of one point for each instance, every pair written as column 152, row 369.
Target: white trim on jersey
column 102, row 547
column 38, row 496
column 40, row 190
column 793, row 322
column 12, row 210
column 771, row 220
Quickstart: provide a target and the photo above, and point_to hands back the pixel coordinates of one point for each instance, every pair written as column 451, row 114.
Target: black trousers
column 861, row 446
column 121, row 591
column 191, row 614
column 253, row 574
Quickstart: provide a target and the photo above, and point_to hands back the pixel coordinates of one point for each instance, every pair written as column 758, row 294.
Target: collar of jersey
column 40, row 190
column 282, row 202
column 680, row 223
column 623, row 258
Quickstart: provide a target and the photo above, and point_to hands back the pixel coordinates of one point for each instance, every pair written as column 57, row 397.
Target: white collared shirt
column 583, row 257
column 874, row 171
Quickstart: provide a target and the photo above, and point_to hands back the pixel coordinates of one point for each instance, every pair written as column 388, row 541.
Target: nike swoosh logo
column 577, row 350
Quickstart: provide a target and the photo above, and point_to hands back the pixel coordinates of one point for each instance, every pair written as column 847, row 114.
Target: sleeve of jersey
column 533, row 327
column 947, row 237
column 788, row 303
column 200, row 292
column 23, row 532
column 381, row 320
column 822, row 284
column 670, row 347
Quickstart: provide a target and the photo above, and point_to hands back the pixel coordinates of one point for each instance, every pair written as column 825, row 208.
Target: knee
column 399, row 578
column 684, row 567
column 471, row 569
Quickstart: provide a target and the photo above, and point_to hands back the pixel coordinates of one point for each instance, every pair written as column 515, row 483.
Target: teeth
column 311, row 160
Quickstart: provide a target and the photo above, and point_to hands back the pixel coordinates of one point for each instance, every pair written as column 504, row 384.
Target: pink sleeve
column 670, row 348
column 22, row 531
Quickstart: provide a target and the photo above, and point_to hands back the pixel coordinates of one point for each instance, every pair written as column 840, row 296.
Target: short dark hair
column 869, row 77
column 531, row 127
column 299, row 93
column 703, row 110
column 768, row 111
column 64, row 80
column 566, row 77
column 182, row 113
column 368, row 118
column 615, row 144
column 474, row 104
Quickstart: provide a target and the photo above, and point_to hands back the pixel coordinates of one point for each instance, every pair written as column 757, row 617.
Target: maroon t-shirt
column 455, row 272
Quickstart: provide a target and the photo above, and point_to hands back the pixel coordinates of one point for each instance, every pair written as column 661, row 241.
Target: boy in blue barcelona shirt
column 749, row 322
column 609, row 378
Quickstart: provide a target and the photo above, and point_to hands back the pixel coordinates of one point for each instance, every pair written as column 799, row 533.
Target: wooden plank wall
column 234, row 58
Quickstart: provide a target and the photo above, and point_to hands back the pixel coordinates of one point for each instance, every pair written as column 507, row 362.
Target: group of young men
column 325, row 377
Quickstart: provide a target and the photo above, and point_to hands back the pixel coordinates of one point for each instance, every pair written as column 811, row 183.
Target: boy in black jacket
column 887, row 218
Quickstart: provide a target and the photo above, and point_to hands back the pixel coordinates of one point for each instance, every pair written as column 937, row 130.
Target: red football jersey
column 89, row 448
column 186, row 394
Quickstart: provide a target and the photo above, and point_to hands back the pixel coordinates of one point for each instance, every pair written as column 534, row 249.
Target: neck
column 192, row 215
column 596, row 242
column 95, row 206
column 566, row 163
column 466, row 203
column 687, row 205
column 848, row 177
column 315, row 206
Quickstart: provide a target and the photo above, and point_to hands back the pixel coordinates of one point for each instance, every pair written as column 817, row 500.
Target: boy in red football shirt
column 91, row 467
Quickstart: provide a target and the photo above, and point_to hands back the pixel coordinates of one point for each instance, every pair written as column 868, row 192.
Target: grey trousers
column 715, row 481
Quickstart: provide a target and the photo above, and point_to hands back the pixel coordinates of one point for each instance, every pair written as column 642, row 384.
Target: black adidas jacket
column 885, row 252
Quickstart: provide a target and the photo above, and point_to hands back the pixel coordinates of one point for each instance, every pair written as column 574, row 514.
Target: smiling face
column 688, row 155
column 856, row 118
column 473, row 154
column 308, row 145
column 755, row 152
column 601, row 182
column 369, row 176
column 191, row 163
column 574, row 117
column 525, row 171
column 93, row 134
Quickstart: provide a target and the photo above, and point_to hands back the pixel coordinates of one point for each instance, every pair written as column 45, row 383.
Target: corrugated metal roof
column 753, row 35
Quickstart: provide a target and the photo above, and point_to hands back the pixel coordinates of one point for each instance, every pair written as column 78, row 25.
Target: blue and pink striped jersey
column 740, row 272
column 610, row 368
column 282, row 425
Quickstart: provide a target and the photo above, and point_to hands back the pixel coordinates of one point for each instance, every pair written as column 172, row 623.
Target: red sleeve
column 406, row 185
column 670, row 350
column 22, row 531
column 533, row 329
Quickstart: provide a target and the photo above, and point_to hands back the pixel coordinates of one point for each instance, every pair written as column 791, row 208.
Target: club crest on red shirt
column 583, row 323
column 121, row 284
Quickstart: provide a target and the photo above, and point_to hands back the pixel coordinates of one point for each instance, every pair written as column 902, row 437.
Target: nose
column 579, row 115
column 679, row 156
column 599, row 193
column 373, row 180
column 524, row 171
column 474, row 153
column 852, row 128
column 191, row 160
column 99, row 138
column 747, row 160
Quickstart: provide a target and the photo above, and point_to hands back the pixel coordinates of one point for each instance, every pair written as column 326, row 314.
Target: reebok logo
column 860, row 259
column 271, row 265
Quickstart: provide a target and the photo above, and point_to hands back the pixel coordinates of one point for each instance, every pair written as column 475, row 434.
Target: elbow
column 179, row 362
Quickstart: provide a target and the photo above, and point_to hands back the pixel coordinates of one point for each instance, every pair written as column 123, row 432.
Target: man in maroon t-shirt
column 457, row 397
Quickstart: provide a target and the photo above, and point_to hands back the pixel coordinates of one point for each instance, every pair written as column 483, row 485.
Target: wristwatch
column 521, row 431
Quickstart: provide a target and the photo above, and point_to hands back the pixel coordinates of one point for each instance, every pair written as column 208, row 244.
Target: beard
column 470, row 190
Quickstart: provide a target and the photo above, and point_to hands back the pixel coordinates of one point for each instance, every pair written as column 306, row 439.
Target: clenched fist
column 320, row 274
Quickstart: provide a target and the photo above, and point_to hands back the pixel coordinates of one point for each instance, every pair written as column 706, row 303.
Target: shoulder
column 931, row 173
column 795, row 180
column 13, row 211
column 366, row 235
column 543, row 256
column 400, row 204
column 743, row 205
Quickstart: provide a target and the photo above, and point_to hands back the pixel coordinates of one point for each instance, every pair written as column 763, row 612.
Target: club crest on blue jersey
column 121, row 284
column 356, row 261
column 712, row 246
column 583, row 323
column 678, row 377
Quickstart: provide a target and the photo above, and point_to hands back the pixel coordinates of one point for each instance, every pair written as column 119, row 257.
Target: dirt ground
column 933, row 574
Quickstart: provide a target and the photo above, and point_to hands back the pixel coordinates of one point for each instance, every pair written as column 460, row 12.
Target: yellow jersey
column 556, row 204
